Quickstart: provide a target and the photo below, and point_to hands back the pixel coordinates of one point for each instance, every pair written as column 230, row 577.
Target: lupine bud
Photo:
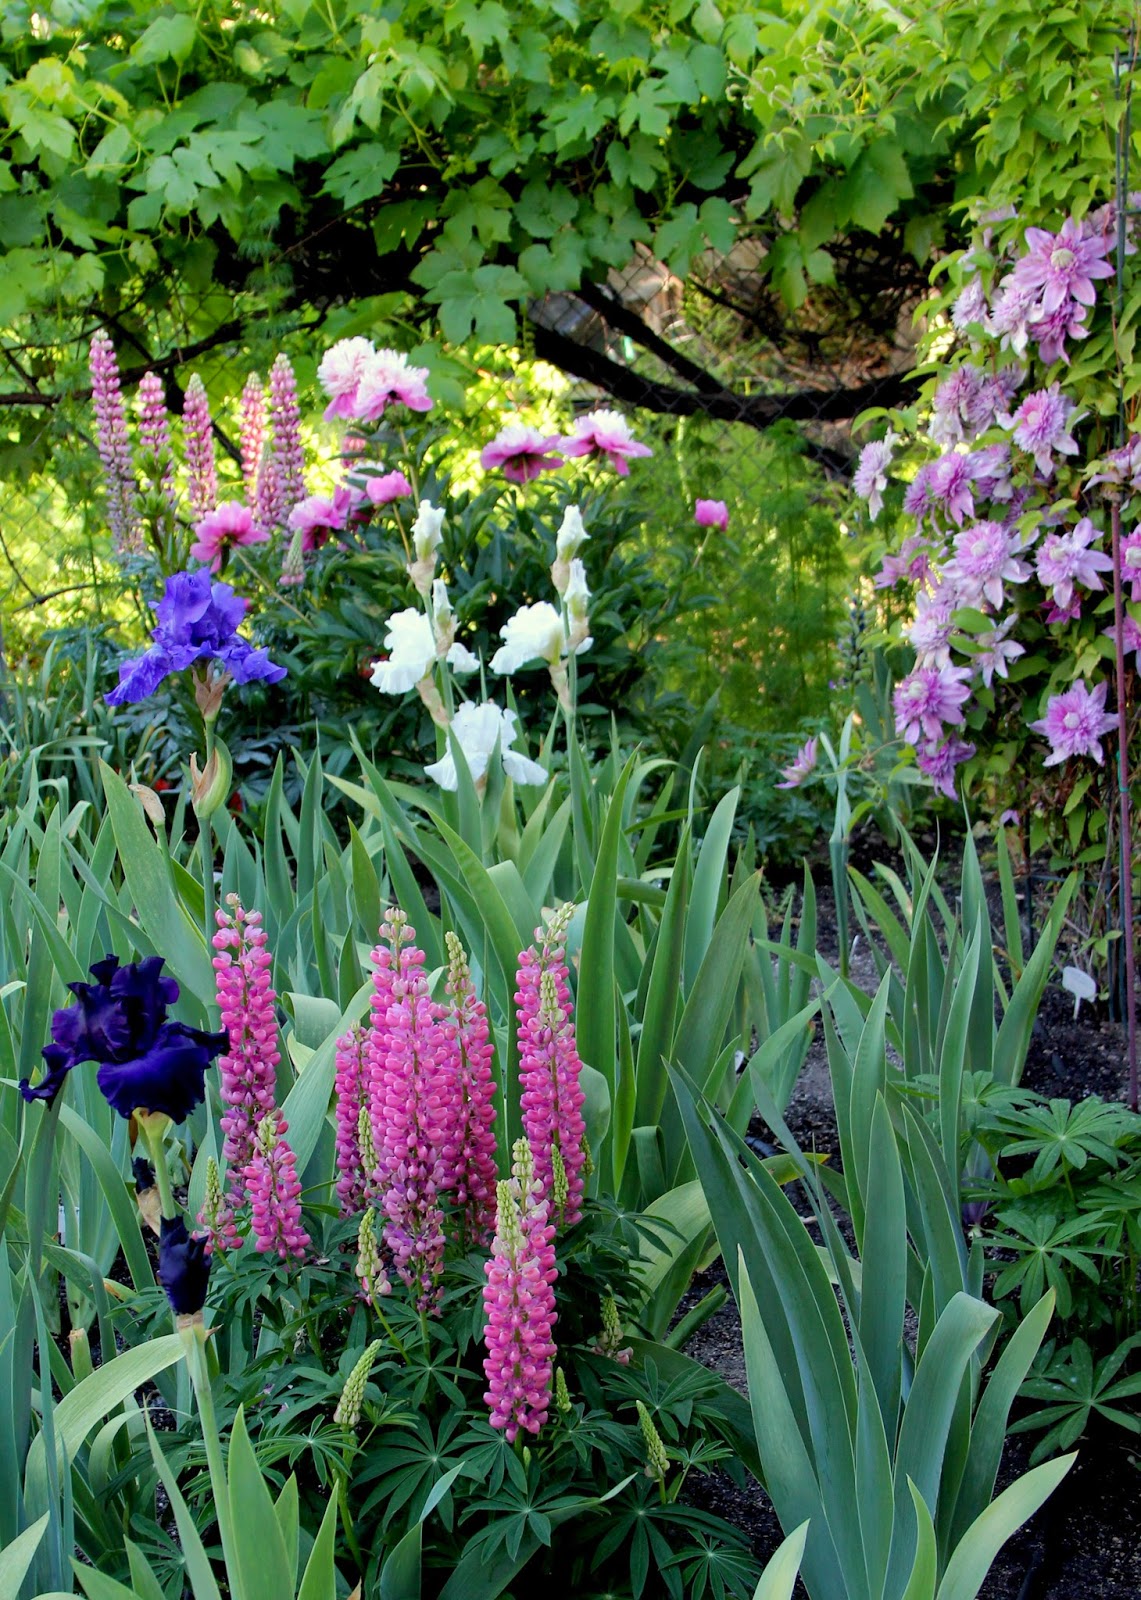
column 217, row 1215
column 562, row 1394
column 154, row 435
column 275, row 1192
column 288, row 451
column 609, row 1342
column 252, row 435
column 369, row 1267
column 248, row 1069
column 293, row 567
column 369, row 1158
column 198, row 439
column 351, row 1112
column 657, row 1459
column 114, row 443
column 549, row 1067
column 348, row 1412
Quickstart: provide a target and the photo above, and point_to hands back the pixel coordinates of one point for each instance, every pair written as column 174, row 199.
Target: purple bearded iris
column 145, row 1062
column 197, row 621
column 183, row 1266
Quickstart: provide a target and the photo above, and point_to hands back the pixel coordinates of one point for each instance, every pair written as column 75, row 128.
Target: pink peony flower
column 1041, row 427
column 220, row 530
column 384, row 488
column 339, row 373
column 1065, row 559
column 523, row 453
column 711, row 514
column 605, row 433
column 315, row 517
column 1075, row 723
column 985, row 558
column 926, row 700
column 802, row 765
column 387, row 378
column 870, row 477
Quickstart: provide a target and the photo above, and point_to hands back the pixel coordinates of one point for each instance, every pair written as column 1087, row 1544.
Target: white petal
column 460, row 659
column 443, row 772
column 396, row 677
column 521, row 769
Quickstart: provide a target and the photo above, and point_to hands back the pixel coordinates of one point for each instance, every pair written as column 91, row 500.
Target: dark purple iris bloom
column 197, row 621
column 145, row 1062
column 183, row 1266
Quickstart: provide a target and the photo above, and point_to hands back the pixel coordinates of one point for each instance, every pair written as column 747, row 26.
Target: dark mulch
column 1082, row 1545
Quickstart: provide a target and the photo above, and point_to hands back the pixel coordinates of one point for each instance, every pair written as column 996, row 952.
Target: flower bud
column 562, row 1395
column 657, row 1458
column 211, row 788
column 348, row 1412
column 150, row 802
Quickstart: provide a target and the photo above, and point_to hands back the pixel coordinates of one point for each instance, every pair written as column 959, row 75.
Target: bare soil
column 1083, row 1544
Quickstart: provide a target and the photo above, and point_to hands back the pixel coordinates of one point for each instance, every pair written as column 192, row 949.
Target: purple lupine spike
column 519, row 1303
column 154, row 433
column 248, row 1069
column 404, row 1104
column 549, row 1069
column 269, row 503
column 251, row 434
column 285, row 415
column 353, row 1181
column 198, row 439
column 275, row 1192
column 469, row 1100
column 114, row 443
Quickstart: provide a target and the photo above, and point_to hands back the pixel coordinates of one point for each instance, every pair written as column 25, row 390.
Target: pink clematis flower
column 1066, row 559
column 220, row 530
column 930, row 633
column 1041, row 427
column 1063, row 266
column 938, row 761
column 948, row 484
column 802, row 765
column 605, row 433
column 997, row 652
column 1075, row 723
column 912, row 561
column 1130, row 638
column 928, row 699
column 711, row 514
column 870, row 477
column 986, row 558
column 522, row 451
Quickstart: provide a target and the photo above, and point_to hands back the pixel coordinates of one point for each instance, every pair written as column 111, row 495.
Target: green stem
column 195, row 1359
column 206, row 847
column 156, row 1145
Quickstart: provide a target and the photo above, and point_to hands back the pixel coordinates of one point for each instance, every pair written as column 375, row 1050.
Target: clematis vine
column 1075, row 723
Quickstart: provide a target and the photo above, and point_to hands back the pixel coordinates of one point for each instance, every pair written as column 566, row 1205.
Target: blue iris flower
column 120, row 1021
column 197, row 621
column 183, row 1266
